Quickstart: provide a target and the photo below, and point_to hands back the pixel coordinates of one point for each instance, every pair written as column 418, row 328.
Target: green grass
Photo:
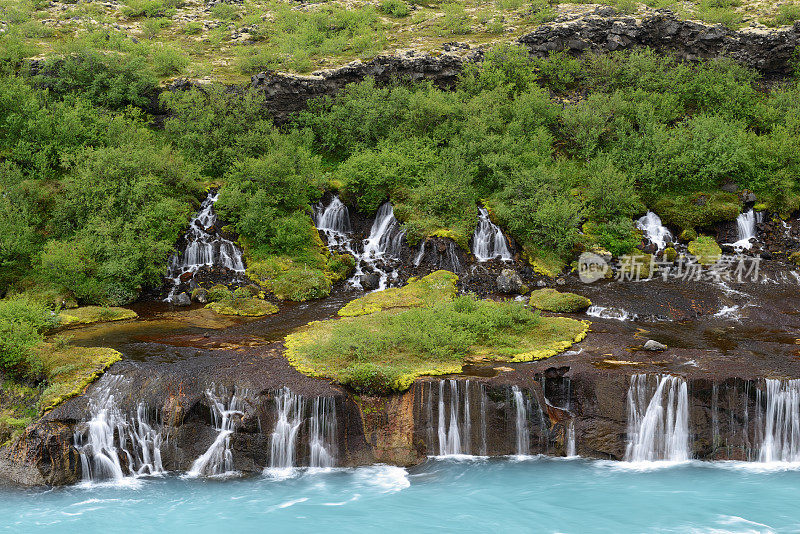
column 381, row 347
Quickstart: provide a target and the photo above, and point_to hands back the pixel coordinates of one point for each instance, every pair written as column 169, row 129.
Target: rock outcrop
column 769, row 51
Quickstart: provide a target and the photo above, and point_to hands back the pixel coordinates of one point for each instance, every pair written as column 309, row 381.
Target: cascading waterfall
column 383, row 244
column 746, row 226
column 658, row 419
column 570, row 440
column 322, row 433
column 781, row 422
column 283, row 449
column 488, row 241
column 452, row 428
column 523, row 433
column 204, row 247
column 218, row 458
column 108, row 435
column 655, row 232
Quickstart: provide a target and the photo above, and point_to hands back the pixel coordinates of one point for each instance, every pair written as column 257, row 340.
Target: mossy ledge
column 94, row 314
column 386, row 340
column 69, row 370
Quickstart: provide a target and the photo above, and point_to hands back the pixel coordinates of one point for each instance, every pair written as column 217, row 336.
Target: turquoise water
column 499, row 495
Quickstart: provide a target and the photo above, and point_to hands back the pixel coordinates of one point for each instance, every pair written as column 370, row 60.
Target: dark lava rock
column 509, row 282
column 370, row 281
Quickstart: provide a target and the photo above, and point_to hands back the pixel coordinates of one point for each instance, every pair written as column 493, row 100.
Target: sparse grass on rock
column 381, row 345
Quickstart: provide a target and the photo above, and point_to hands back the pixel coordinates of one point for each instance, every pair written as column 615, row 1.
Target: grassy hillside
column 228, row 41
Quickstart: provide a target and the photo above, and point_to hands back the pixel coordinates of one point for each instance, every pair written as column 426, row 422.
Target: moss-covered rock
column 794, row 257
column 697, row 210
column 636, row 266
column 244, row 306
column 705, row 249
column 554, row 301
column 290, row 280
column 544, row 262
column 670, row 254
column 95, row 314
column 380, row 346
column 690, row 234
column 436, row 287
column 69, row 370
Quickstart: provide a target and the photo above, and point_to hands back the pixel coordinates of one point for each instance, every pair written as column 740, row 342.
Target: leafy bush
column 22, row 322
column 394, row 8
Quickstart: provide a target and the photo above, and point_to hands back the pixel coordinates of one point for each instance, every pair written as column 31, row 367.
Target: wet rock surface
column 722, row 339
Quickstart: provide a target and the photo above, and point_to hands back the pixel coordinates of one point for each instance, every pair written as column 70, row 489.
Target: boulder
column 654, row 345
column 200, row 295
column 182, row 299
column 185, row 277
column 509, row 282
column 370, row 281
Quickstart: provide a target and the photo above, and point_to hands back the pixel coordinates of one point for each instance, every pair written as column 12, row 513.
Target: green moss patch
column 382, row 347
column 248, row 307
column 697, row 209
column 69, row 370
column 544, row 262
column 554, row 301
column 436, row 287
column 705, row 249
column 95, row 314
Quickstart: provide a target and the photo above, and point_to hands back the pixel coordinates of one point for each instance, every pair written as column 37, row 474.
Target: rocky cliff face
column 770, row 51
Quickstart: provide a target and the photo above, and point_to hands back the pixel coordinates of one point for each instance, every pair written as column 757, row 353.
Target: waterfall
column 523, row 431
column 781, row 431
column 283, row 449
column 654, row 231
column 454, row 434
column 322, row 432
column 488, row 241
column 383, row 244
column 420, row 254
column 658, row 419
column 385, row 236
column 746, row 226
column 218, row 459
column 109, row 435
column 204, row 247
column 571, row 448
column 450, row 435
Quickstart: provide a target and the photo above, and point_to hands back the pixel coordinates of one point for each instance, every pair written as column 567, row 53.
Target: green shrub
column 224, row 11
column 455, row 21
column 22, row 322
column 394, row 8
column 301, row 284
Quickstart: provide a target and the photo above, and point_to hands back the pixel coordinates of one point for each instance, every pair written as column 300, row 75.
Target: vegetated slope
column 228, row 41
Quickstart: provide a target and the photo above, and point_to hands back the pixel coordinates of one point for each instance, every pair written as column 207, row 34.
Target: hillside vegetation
column 230, row 40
